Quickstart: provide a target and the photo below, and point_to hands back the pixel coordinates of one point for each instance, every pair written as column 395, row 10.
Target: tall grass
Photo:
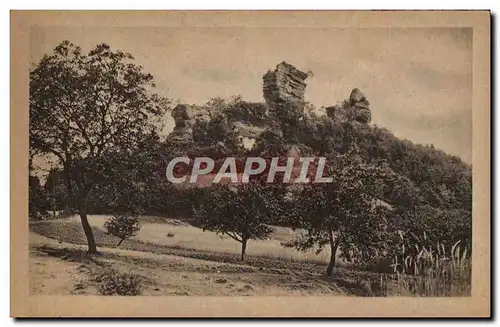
column 432, row 271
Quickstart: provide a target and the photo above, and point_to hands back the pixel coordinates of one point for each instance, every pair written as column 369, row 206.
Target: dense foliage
column 240, row 212
column 111, row 281
column 39, row 201
column 86, row 108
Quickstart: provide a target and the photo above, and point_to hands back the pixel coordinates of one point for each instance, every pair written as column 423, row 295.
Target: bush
column 113, row 282
column 122, row 226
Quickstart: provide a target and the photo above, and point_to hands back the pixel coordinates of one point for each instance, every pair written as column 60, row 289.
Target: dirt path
column 50, row 276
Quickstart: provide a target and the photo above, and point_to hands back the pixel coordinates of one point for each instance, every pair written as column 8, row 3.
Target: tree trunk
column 334, row 244
column 243, row 248
column 120, row 242
column 88, row 230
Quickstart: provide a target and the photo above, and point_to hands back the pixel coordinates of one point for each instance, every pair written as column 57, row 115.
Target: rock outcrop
column 247, row 133
column 283, row 90
column 361, row 106
column 185, row 116
column 284, row 84
column 357, row 109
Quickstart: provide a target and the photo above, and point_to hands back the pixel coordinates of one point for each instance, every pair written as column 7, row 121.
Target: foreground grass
column 167, row 275
column 352, row 282
column 71, row 232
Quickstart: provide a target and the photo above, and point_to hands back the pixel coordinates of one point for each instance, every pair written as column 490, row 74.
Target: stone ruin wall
column 285, row 83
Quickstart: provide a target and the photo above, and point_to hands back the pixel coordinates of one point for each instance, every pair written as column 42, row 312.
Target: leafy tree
column 344, row 214
column 437, row 179
column 239, row 211
column 125, row 176
column 83, row 108
column 218, row 129
column 269, row 143
column 443, row 181
column 122, row 226
column 217, row 132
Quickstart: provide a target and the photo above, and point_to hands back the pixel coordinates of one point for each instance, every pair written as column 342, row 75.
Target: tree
column 218, row 130
column 122, row 226
column 444, row 181
column 84, row 108
column 344, row 214
column 239, row 211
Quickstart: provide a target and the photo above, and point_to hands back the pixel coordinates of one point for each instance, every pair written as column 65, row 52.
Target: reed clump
column 431, row 270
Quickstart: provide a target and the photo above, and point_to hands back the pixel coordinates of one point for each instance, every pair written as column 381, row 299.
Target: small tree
column 241, row 212
column 122, row 226
column 344, row 213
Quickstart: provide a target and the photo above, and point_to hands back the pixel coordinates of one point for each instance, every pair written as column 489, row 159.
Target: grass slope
column 71, row 232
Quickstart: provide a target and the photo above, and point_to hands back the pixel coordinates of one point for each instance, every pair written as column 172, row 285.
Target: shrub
column 425, row 226
column 113, row 282
column 239, row 212
column 122, row 226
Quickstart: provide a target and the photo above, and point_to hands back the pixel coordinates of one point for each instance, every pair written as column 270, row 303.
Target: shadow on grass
column 68, row 254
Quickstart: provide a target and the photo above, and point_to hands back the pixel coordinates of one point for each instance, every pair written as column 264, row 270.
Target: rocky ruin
column 356, row 109
column 283, row 87
column 361, row 107
column 185, row 117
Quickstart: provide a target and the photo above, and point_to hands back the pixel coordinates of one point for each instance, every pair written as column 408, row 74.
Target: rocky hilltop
column 281, row 86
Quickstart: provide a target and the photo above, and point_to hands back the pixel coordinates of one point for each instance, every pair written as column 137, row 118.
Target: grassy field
column 61, row 268
column 154, row 230
column 65, row 269
column 193, row 262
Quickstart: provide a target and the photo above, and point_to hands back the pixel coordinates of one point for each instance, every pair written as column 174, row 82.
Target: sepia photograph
column 229, row 163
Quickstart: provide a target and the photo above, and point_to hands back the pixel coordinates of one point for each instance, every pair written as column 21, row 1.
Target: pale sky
column 418, row 80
